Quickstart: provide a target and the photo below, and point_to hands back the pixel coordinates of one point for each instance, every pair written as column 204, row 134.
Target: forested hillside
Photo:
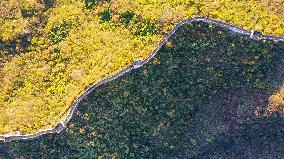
column 196, row 99
column 51, row 50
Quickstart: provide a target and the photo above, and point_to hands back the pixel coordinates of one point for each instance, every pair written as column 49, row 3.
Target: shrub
column 48, row 3
column 146, row 28
column 126, row 17
column 106, row 15
column 90, row 3
column 59, row 32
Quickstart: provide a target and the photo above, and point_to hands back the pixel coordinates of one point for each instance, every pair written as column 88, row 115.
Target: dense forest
column 51, row 50
column 196, row 99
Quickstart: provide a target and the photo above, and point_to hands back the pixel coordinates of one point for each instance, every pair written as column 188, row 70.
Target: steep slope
column 198, row 98
column 52, row 50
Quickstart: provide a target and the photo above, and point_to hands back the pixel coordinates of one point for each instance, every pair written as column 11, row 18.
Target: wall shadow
column 206, row 89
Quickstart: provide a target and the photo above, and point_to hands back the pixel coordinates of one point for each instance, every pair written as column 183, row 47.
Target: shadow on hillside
column 204, row 95
column 15, row 46
column 262, row 138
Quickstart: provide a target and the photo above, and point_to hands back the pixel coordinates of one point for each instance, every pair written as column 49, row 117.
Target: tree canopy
column 51, row 50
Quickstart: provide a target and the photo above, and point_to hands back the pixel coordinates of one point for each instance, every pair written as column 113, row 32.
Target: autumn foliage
column 51, row 50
